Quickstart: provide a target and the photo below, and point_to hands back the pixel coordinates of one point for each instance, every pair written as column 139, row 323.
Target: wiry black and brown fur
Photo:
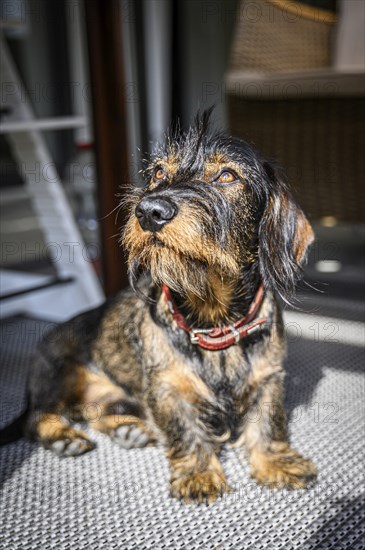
column 135, row 375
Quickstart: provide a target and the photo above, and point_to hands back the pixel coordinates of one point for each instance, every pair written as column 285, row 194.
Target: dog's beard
column 180, row 258
column 182, row 275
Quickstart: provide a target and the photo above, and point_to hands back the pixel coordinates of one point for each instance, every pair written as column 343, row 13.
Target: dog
column 215, row 244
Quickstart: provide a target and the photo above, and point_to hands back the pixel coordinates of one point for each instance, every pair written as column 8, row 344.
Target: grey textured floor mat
column 114, row 498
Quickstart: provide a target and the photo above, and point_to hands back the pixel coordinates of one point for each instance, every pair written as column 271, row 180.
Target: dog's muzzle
column 154, row 213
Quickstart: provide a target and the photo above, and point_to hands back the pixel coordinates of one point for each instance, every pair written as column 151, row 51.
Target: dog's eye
column 227, row 176
column 159, row 174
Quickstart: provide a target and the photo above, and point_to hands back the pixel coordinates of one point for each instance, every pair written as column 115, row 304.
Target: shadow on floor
column 305, row 367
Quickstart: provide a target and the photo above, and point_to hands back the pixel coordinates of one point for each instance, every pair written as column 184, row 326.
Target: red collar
column 217, row 338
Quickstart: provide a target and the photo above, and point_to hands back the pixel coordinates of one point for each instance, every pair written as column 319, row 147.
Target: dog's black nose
column 154, row 213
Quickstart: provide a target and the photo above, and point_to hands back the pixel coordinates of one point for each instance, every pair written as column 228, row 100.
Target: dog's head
column 211, row 209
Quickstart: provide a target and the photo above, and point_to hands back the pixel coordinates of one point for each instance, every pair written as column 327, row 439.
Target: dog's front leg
column 176, row 401
column 273, row 462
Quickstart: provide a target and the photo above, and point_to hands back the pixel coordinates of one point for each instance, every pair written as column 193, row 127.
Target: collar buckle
column 236, row 334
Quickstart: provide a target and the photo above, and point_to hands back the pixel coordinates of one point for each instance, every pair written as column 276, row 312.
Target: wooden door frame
column 104, row 38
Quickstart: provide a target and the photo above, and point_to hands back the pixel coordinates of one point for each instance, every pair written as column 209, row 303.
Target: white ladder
column 58, row 225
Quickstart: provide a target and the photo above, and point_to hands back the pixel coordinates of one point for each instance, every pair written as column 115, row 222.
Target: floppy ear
column 284, row 237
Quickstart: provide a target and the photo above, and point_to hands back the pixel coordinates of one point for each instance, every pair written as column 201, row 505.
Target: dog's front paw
column 282, row 467
column 200, row 487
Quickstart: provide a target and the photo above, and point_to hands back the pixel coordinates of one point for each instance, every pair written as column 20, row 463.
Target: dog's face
column 210, row 209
